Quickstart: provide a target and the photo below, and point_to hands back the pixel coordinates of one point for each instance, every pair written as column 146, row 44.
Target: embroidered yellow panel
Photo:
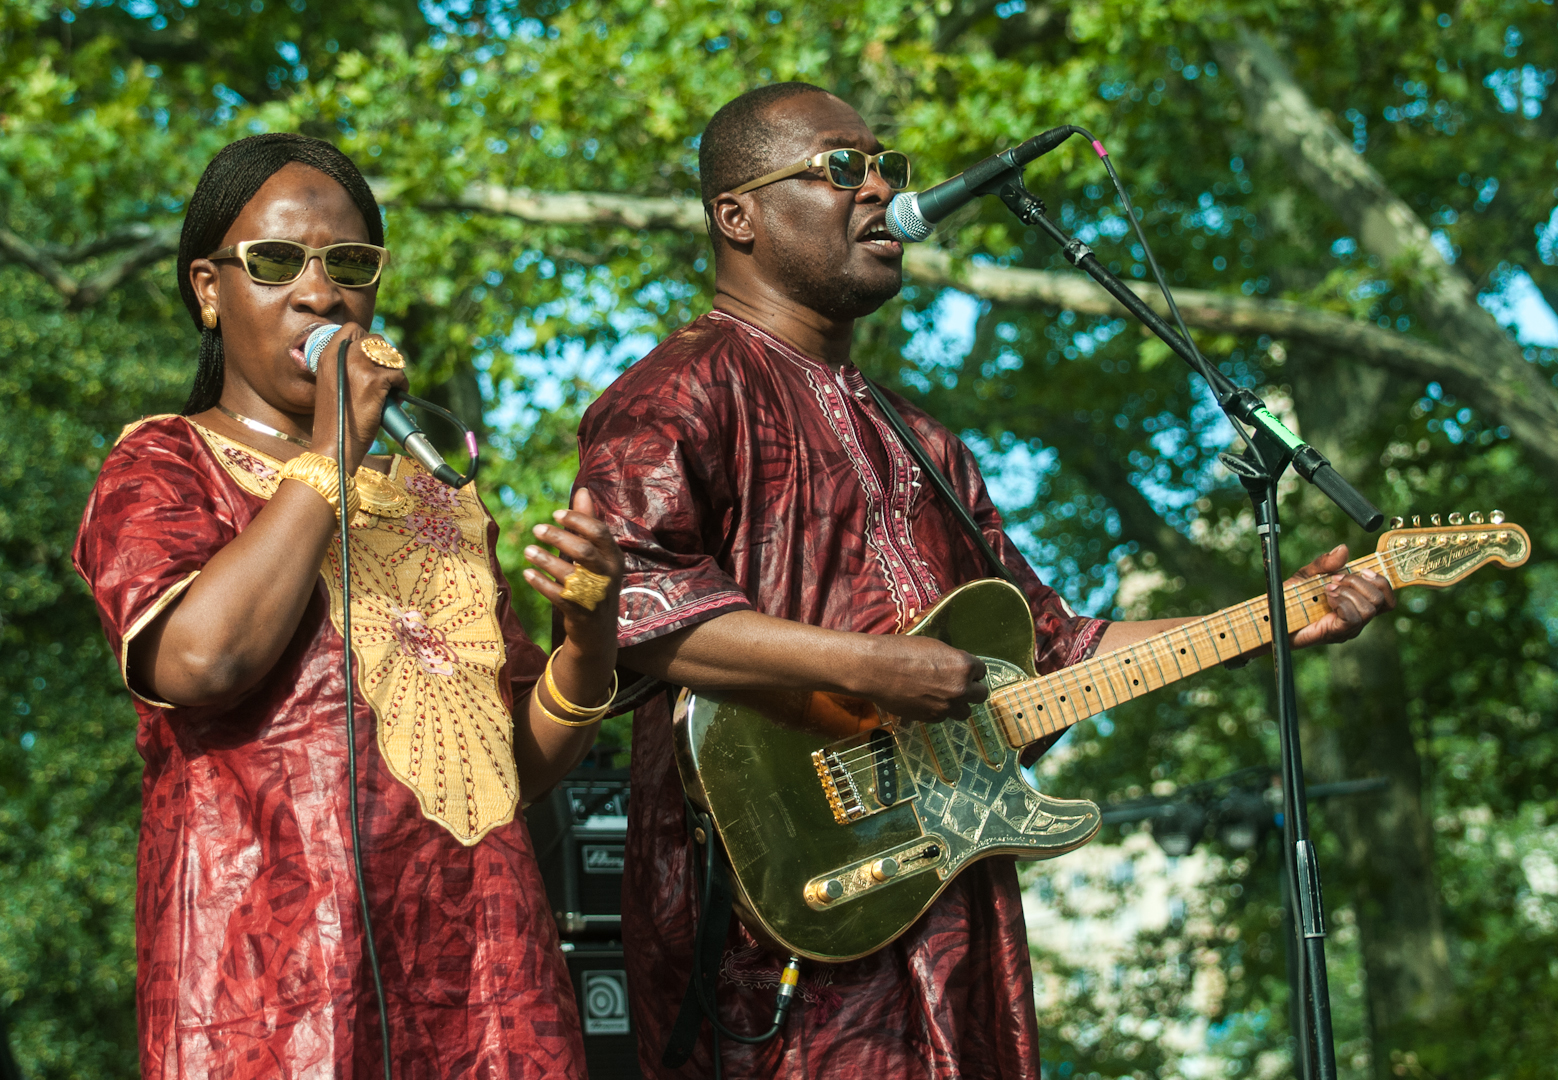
column 425, row 635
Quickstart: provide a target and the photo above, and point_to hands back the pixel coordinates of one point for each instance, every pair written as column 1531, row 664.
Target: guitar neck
column 1035, row 708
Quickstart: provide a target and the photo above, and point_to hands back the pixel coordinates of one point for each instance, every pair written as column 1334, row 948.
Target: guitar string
column 871, row 757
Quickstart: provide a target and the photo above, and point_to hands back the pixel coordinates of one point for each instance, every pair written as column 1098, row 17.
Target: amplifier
column 601, row 986
column 579, row 829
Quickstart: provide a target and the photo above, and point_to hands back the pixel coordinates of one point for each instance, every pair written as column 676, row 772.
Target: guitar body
column 838, row 843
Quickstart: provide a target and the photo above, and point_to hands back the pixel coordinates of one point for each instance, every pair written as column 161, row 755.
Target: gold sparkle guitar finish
column 837, row 842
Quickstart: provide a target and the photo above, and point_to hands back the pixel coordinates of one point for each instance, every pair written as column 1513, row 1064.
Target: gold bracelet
column 554, row 718
column 569, row 707
column 323, row 475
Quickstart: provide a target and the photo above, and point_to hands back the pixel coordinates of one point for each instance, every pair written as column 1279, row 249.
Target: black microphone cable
column 707, row 998
column 1157, row 273
column 351, row 704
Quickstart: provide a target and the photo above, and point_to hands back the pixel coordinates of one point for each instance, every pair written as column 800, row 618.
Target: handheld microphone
column 913, row 214
column 400, row 426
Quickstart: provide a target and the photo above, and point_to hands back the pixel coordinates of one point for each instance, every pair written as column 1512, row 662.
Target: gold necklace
column 264, row 429
column 379, row 494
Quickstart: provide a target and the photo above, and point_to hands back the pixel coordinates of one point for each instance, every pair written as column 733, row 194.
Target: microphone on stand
column 400, row 426
column 913, row 214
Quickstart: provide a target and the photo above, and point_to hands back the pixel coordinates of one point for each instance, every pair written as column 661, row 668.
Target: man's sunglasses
column 281, row 262
column 846, row 169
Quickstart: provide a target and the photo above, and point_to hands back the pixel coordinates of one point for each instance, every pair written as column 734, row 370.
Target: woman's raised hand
column 367, row 385
column 582, row 542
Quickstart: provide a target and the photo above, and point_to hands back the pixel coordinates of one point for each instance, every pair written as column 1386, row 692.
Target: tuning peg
column 1433, row 519
column 1496, row 517
column 1457, row 518
column 1475, row 517
column 1417, row 521
column 1396, row 523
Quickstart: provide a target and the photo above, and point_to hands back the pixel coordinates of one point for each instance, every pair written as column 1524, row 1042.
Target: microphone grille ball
column 318, row 338
column 904, row 220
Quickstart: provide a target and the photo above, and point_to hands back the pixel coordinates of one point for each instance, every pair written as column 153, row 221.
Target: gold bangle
column 569, row 707
column 554, row 718
column 323, row 475
column 585, row 587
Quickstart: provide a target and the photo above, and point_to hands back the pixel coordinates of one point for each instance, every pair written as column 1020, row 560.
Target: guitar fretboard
column 1034, row 708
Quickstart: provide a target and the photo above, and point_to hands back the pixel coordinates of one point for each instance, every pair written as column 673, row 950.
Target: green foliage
column 1104, row 449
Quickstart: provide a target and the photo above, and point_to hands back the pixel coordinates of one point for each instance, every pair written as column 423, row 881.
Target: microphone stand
column 1269, row 452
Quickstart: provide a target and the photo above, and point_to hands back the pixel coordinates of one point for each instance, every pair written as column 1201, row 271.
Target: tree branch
column 1530, row 408
column 1490, row 370
column 51, row 271
column 151, row 245
column 156, row 247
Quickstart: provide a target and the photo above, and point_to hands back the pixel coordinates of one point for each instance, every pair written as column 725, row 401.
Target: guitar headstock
column 1440, row 554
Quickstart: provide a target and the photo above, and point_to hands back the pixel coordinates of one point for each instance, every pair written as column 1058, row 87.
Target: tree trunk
column 1495, row 376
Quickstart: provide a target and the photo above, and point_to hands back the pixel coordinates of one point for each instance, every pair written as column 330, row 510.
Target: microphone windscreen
column 314, row 347
column 904, row 220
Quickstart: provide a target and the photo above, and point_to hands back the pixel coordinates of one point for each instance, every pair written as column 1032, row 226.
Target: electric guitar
column 837, row 842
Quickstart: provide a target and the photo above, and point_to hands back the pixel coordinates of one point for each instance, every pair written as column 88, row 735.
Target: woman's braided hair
column 237, row 172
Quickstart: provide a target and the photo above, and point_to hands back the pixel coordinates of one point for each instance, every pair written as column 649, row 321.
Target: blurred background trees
column 1334, row 186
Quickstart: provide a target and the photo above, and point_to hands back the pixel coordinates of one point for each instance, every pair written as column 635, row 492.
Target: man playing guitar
column 779, row 536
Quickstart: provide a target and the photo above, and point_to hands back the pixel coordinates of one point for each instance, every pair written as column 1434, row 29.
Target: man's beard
column 837, row 294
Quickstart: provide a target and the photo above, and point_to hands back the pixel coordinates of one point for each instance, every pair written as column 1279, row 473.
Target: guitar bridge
column 838, row 786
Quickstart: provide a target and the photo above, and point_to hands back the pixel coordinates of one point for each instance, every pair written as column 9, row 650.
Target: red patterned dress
column 248, row 936
column 739, row 474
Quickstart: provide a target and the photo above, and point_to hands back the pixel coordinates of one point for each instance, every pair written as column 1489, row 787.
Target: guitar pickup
column 838, row 786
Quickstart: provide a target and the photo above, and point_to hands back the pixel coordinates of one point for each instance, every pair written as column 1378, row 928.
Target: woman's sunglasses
column 281, row 262
column 846, row 169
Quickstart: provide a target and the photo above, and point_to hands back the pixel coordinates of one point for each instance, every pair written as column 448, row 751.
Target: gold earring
column 208, row 316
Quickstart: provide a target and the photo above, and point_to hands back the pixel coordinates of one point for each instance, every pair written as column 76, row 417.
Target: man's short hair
column 737, row 146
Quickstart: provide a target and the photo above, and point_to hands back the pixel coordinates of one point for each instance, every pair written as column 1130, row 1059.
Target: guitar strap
column 939, row 482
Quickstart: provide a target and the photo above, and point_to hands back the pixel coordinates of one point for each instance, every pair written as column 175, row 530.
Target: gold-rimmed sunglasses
column 846, row 168
column 281, row 262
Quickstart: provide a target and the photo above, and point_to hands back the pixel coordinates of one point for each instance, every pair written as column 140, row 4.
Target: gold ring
column 585, row 587
column 382, row 353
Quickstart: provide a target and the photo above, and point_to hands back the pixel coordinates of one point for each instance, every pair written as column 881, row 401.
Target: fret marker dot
column 1135, row 682
column 1062, row 697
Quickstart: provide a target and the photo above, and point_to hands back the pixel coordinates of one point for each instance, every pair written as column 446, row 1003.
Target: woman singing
column 211, row 545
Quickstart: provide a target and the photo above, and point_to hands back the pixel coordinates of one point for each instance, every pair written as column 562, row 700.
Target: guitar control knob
column 1475, row 517
column 1396, row 522
column 1496, row 517
column 825, row 892
column 1457, row 518
column 883, row 869
column 1433, row 519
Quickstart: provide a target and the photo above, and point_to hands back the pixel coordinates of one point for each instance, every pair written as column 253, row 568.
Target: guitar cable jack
column 789, row 979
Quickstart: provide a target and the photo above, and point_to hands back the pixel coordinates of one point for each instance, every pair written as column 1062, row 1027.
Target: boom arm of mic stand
column 1239, row 403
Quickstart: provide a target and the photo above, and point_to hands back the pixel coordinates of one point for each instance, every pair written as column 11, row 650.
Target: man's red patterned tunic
column 737, row 473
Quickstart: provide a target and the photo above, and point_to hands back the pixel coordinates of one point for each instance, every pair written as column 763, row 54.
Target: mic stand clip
column 1270, row 450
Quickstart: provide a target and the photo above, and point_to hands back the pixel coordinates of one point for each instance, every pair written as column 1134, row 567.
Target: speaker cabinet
column 600, row 984
column 579, row 829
